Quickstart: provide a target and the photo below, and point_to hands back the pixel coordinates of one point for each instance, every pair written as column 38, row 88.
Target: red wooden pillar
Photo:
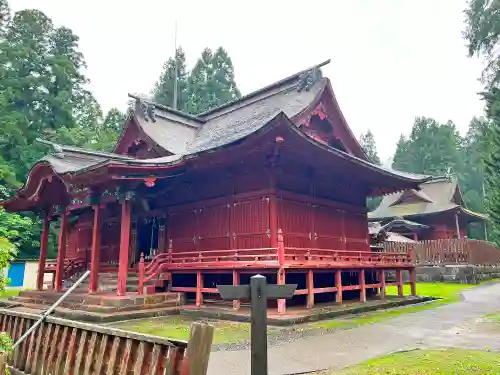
column 413, row 281
column 236, row 281
column 362, row 284
column 310, row 289
column 44, row 241
column 399, row 278
column 415, row 236
column 96, row 243
column 338, row 284
column 281, row 249
column 61, row 251
column 199, row 287
column 281, row 281
column 382, row 284
column 121, row 287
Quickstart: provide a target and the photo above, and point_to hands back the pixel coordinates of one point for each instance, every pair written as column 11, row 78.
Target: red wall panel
column 296, row 220
column 328, row 228
column 213, row 227
column 182, row 227
column 251, row 223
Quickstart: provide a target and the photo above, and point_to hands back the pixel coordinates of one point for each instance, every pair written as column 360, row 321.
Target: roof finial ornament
column 147, row 110
column 309, row 78
column 449, row 173
column 57, row 149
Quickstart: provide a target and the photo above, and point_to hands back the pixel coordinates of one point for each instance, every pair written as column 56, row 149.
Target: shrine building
column 436, row 211
column 273, row 183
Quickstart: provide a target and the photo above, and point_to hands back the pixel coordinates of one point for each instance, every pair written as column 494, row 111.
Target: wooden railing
column 297, row 254
column 264, row 257
column 60, row 346
column 452, row 251
column 70, row 268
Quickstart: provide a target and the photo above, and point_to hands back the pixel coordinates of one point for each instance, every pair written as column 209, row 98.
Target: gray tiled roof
column 440, row 194
column 184, row 135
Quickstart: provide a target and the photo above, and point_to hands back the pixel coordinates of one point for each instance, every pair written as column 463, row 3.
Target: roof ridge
column 58, row 148
column 263, row 89
column 168, row 109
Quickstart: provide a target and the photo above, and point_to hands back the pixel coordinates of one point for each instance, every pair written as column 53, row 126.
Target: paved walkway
column 450, row 325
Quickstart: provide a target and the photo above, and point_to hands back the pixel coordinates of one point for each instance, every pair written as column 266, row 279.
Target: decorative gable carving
column 318, row 126
column 412, row 196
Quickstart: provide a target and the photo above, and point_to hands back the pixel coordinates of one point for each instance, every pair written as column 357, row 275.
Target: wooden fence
column 452, row 251
column 64, row 347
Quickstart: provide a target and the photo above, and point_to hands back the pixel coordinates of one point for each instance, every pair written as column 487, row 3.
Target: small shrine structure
column 435, row 211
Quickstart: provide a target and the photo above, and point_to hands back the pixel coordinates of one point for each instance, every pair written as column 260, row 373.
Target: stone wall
column 461, row 273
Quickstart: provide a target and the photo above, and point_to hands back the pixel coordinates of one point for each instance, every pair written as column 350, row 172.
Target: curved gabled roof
column 280, row 104
column 438, row 195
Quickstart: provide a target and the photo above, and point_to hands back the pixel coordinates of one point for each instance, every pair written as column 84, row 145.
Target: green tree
column 483, row 36
column 431, row 148
column 109, row 130
column 41, row 95
column 163, row 92
column 367, row 142
column 210, row 83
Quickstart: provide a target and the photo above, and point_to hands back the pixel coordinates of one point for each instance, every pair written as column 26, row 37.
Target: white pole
column 176, row 67
column 51, row 309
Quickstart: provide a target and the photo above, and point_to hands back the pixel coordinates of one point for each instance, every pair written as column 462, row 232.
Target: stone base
column 101, row 307
column 465, row 274
column 452, row 273
column 298, row 315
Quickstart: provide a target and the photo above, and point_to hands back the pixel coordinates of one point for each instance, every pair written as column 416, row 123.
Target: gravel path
column 458, row 324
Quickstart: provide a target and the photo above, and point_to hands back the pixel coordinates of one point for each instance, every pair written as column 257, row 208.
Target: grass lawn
column 177, row 327
column 429, row 362
column 4, row 294
column 447, row 292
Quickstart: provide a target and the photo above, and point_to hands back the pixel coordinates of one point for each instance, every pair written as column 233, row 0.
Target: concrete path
column 451, row 325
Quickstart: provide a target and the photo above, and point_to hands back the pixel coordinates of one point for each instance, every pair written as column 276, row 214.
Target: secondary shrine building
column 434, row 212
column 273, row 183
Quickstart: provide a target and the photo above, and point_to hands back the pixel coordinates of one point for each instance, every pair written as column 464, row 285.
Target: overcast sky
column 392, row 60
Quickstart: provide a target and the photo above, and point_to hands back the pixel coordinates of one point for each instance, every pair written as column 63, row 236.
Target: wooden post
column 273, row 210
column 338, row 284
column 258, row 293
column 236, row 281
column 140, row 289
column 310, row 289
column 457, row 225
column 121, row 288
column 399, row 277
column 362, row 284
column 199, row 287
column 44, row 240
column 415, row 236
column 413, row 281
column 61, row 251
column 95, row 253
column 281, row 281
column 281, row 248
column 382, row 284
column 198, row 350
